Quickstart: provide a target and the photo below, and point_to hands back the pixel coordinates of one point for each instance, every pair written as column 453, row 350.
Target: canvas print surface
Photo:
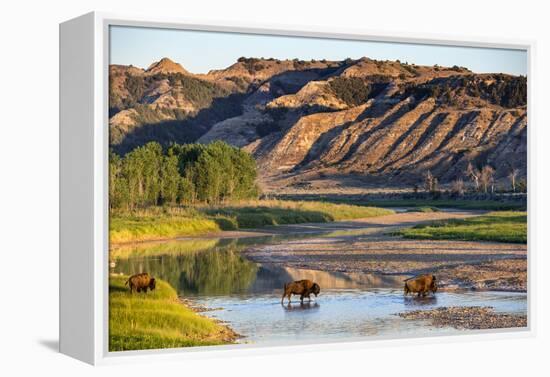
column 273, row 190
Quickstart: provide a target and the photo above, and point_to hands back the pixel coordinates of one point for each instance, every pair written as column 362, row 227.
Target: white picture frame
column 84, row 219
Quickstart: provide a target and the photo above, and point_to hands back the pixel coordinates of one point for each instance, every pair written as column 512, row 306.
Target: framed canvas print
column 229, row 188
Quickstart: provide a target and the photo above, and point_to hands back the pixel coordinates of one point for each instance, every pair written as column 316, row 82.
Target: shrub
column 352, row 90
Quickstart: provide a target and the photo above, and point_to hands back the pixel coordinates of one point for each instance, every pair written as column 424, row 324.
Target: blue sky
column 199, row 52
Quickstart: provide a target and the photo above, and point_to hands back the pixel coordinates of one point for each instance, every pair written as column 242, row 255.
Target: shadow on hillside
column 185, row 130
column 188, row 130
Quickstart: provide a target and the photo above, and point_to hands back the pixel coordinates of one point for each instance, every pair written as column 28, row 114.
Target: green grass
column 134, row 228
column 161, row 223
column 423, row 209
column 490, row 205
column 260, row 213
column 508, row 226
column 157, row 320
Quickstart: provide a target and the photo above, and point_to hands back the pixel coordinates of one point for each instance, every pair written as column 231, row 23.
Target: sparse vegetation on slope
column 355, row 91
column 498, row 89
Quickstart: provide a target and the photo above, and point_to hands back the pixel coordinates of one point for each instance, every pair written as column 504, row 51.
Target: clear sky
column 199, row 52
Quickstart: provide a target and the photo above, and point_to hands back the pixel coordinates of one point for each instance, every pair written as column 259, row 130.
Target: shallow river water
column 247, row 296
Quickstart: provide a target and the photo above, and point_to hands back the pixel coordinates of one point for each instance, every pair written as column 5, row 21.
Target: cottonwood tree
column 149, row 176
column 474, row 175
column 428, row 181
column 457, row 186
column 486, row 178
column 512, row 175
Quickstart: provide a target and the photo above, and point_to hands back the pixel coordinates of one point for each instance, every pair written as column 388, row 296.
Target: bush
column 352, row 90
column 503, row 90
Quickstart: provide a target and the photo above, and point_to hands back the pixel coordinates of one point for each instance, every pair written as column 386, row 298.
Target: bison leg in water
column 285, row 295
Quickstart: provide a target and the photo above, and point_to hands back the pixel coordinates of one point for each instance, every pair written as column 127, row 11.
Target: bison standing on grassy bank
column 302, row 287
column 141, row 282
column 422, row 284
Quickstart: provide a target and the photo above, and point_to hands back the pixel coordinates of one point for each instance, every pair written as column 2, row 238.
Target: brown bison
column 141, row 282
column 421, row 284
column 302, row 287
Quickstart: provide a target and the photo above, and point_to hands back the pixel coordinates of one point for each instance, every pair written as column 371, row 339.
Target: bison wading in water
column 422, row 284
column 141, row 282
column 302, row 287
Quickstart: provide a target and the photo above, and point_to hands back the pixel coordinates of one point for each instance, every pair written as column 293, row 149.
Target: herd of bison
column 422, row 285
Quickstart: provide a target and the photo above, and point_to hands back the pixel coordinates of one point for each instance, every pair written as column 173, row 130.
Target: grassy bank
column 488, row 204
column 508, row 226
column 159, row 223
column 260, row 213
column 423, row 209
column 150, row 226
column 157, row 320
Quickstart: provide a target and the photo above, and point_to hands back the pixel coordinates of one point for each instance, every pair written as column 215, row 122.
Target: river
column 215, row 274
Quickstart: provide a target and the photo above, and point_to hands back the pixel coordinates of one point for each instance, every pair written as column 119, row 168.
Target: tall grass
column 157, row 320
column 133, row 228
column 490, row 205
column 258, row 213
column 161, row 223
column 509, row 226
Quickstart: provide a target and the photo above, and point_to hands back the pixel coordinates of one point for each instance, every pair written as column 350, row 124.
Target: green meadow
column 163, row 223
column 506, row 226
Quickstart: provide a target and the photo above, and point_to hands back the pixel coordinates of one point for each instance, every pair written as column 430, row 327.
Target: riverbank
column 366, row 247
column 467, row 318
column 387, row 199
column 164, row 223
column 158, row 319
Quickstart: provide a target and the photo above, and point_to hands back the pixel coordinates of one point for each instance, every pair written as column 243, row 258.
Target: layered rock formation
column 378, row 122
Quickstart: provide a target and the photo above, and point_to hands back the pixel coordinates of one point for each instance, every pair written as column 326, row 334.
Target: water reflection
column 214, row 274
column 202, row 267
column 420, row 301
column 300, row 306
column 208, row 272
column 223, row 272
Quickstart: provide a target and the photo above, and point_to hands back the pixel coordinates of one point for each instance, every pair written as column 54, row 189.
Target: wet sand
column 365, row 246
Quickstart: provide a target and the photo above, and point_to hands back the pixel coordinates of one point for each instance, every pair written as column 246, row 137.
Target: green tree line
column 181, row 174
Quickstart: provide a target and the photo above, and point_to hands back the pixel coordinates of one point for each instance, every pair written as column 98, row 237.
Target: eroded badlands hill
column 376, row 122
